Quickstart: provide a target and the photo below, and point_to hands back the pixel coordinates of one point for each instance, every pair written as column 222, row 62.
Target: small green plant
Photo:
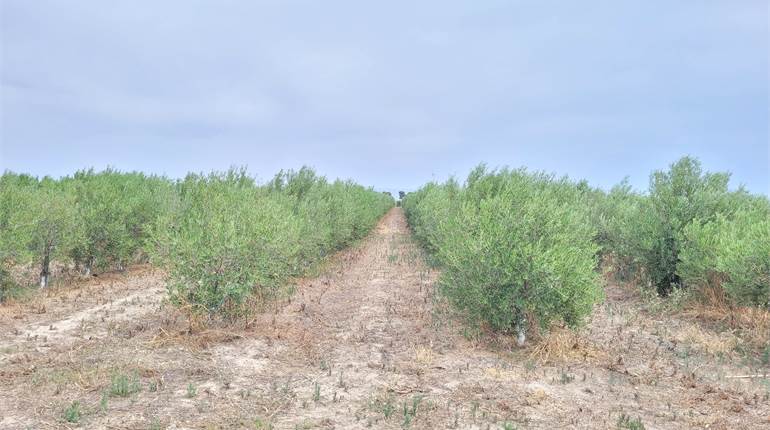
column 192, row 390
column 316, row 391
column 566, row 378
column 123, row 385
column 103, row 402
column 627, row 423
column 260, row 424
column 388, row 408
column 410, row 410
column 474, row 409
column 155, row 424
column 72, row 412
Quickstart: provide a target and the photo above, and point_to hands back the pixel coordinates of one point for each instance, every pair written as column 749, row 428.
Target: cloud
column 389, row 94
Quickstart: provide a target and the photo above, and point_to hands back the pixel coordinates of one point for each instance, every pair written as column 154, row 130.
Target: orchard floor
column 365, row 345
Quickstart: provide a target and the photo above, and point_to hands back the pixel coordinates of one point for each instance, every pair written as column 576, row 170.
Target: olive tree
column 515, row 248
column 731, row 252
column 115, row 213
column 39, row 228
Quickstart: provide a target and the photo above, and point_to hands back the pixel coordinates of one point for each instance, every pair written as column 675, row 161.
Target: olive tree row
column 90, row 220
column 229, row 241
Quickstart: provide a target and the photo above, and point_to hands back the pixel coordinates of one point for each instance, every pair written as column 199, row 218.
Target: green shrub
column 646, row 232
column 676, row 198
column 94, row 220
column 221, row 236
column 13, row 195
column 115, row 212
column 689, row 230
column 38, row 222
column 731, row 253
column 228, row 239
column 515, row 248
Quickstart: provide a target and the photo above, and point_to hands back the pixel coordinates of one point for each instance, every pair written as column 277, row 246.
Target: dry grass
column 561, row 344
column 707, row 341
column 750, row 324
column 423, row 356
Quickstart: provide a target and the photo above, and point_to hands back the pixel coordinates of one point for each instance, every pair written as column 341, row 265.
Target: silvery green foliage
column 221, row 236
column 115, row 212
column 689, row 230
column 38, row 220
column 515, row 248
column 228, row 240
column 731, row 252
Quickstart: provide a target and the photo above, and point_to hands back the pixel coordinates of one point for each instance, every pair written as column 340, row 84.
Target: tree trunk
column 45, row 271
column 521, row 332
column 521, row 320
column 89, row 265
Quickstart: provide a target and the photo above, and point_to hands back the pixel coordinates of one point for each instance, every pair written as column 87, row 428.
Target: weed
column 388, row 408
column 410, row 411
column 628, row 423
column 192, row 391
column 72, row 412
column 566, row 378
column 103, row 402
column 260, row 424
column 316, row 392
column 123, row 385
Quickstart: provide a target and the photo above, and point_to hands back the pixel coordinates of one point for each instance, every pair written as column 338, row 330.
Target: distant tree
column 39, row 228
column 401, row 195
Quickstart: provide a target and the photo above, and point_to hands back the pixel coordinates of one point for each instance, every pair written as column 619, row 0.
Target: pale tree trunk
column 521, row 320
column 45, row 270
column 89, row 264
column 521, row 331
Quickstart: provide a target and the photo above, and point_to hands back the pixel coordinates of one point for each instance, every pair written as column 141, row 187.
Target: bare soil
column 365, row 345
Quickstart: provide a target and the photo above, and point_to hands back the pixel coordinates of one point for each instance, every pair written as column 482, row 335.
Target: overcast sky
column 391, row 94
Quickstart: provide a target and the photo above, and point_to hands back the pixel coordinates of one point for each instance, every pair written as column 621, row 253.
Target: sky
column 391, row 94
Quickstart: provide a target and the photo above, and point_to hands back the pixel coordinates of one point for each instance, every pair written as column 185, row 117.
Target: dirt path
column 365, row 346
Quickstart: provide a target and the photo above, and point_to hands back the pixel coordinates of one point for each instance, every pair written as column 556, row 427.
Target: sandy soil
column 365, row 345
